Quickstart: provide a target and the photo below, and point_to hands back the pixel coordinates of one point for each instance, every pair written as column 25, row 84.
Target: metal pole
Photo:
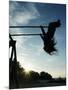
column 25, row 34
column 27, row 26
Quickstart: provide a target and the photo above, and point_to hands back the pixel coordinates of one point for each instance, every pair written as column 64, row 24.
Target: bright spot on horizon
column 27, row 67
column 27, row 71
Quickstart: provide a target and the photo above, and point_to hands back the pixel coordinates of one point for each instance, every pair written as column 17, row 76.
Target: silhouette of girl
column 48, row 38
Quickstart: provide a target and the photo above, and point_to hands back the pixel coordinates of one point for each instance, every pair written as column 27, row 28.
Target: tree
column 34, row 75
column 44, row 75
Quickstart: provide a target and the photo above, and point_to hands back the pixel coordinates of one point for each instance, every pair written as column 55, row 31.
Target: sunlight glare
column 27, row 68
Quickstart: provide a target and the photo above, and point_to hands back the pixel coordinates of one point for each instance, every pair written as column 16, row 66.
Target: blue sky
column 30, row 51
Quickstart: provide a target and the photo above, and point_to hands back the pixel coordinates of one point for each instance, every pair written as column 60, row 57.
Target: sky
column 30, row 51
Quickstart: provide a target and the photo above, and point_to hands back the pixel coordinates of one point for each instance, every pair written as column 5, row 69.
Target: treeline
column 31, row 75
column 20, row 78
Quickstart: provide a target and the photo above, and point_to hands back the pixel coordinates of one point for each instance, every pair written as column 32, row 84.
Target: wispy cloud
column 21, row 14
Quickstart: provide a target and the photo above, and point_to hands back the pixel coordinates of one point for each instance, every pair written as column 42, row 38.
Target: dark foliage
column 45, row 76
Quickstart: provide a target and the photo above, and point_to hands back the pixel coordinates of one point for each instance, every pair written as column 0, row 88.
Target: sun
column 27, row 68
column 27, row 71
column 26, row 65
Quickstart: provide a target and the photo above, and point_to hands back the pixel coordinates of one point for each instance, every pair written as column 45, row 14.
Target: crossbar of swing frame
column 26, row 34
column 27, row 26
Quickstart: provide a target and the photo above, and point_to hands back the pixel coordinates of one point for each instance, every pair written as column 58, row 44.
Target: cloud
column 21, row 14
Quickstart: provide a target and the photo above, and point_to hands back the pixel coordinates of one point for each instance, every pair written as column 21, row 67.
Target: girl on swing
column 48, row 38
